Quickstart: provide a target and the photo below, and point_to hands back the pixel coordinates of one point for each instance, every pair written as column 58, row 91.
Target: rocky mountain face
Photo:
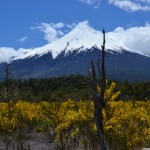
column 73, row 53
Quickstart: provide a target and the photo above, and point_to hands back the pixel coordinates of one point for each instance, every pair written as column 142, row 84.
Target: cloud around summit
column 53, row 31
column 136, row 38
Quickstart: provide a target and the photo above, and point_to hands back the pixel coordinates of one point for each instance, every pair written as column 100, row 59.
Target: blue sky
column 32, row 23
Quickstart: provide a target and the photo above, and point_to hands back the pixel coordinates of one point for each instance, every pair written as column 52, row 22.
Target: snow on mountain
column 122, row 63
column 82, row 38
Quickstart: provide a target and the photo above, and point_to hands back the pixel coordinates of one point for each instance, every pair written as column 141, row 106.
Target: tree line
column 76, row 87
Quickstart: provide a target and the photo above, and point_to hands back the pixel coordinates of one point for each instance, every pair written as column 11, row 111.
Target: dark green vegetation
column 76, row 87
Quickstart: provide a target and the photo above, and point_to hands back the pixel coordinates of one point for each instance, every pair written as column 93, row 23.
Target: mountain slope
column 82, row 37
column 119, row 66
column 73, row 53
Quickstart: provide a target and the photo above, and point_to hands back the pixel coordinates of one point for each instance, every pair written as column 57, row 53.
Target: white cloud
column 53, row 31
column 147, row 24
column 58, row 25
column 91, row 2
column 60, row 32
column 22, row 40
column 132, row 5
column 50, row 32
column 135, row 38
column 6, row 53
column 71, row 26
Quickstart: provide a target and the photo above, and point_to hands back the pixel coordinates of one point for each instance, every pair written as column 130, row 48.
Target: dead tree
column 98, row 98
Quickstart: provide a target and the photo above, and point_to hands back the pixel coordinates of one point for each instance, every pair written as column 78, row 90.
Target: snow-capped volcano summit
column 74, row 52
column 82, row 37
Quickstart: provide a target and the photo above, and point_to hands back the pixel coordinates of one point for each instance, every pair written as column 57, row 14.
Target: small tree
column 6, row 97
column 10, row 93
column 98, row 98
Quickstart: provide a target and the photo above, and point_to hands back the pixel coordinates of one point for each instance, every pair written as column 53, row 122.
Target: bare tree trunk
column 99, row 98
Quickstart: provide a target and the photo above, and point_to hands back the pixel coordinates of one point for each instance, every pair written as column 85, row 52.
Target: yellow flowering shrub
column 71, row 123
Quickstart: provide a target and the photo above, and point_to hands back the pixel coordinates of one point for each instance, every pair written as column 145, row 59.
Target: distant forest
column 74, row 87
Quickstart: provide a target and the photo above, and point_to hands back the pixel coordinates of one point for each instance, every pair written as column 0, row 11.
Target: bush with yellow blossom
column 70, row 124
